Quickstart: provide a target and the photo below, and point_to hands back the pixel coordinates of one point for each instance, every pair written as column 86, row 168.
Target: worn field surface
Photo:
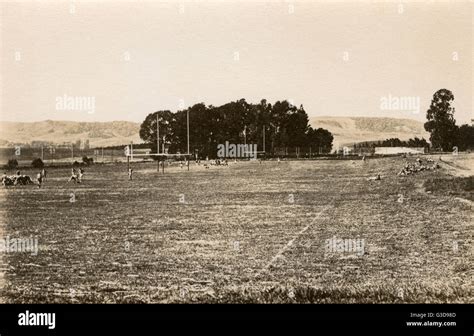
column 249, row 232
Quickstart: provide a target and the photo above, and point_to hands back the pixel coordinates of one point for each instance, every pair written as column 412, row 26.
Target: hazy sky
column 337, row 59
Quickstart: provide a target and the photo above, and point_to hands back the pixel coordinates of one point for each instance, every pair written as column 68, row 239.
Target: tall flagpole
column 157, row 144
column 187, row 117
column 157, row 135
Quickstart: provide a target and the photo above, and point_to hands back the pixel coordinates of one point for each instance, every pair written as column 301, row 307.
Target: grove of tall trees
column 277, row 126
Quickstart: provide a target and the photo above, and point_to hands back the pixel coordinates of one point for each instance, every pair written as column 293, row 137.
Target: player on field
column 80, row 175
column 130, row 174
column 73, row 176
column 39, row 177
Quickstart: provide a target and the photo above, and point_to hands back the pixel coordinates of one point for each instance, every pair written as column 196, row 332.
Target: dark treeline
column 395, row 142
column 368, row 147
column 415, row 142
column 238, row 122
column 465, row 137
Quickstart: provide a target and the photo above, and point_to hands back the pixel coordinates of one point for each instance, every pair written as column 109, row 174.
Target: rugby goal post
column 128, row 151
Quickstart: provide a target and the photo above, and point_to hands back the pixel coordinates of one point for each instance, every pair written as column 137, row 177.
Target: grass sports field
column 248, row 232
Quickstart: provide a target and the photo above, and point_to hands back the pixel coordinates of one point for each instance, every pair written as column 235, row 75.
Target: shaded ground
column 246, row 233
column 454, row 186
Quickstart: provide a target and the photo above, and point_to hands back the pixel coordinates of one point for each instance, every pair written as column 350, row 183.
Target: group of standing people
column 17, row 179
column 76, row 176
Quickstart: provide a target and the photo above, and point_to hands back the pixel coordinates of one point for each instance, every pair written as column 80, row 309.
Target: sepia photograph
column 236, row 152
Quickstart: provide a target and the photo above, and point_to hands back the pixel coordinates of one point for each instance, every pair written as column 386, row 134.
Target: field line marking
column 303, row 230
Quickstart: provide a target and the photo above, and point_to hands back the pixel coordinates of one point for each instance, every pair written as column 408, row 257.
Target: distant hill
column 100, row 134
column 349, row 130
column 346, row 130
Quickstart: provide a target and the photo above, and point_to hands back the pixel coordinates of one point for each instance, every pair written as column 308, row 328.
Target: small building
column 398, row 150
column 142, row 151
column 40, row 143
